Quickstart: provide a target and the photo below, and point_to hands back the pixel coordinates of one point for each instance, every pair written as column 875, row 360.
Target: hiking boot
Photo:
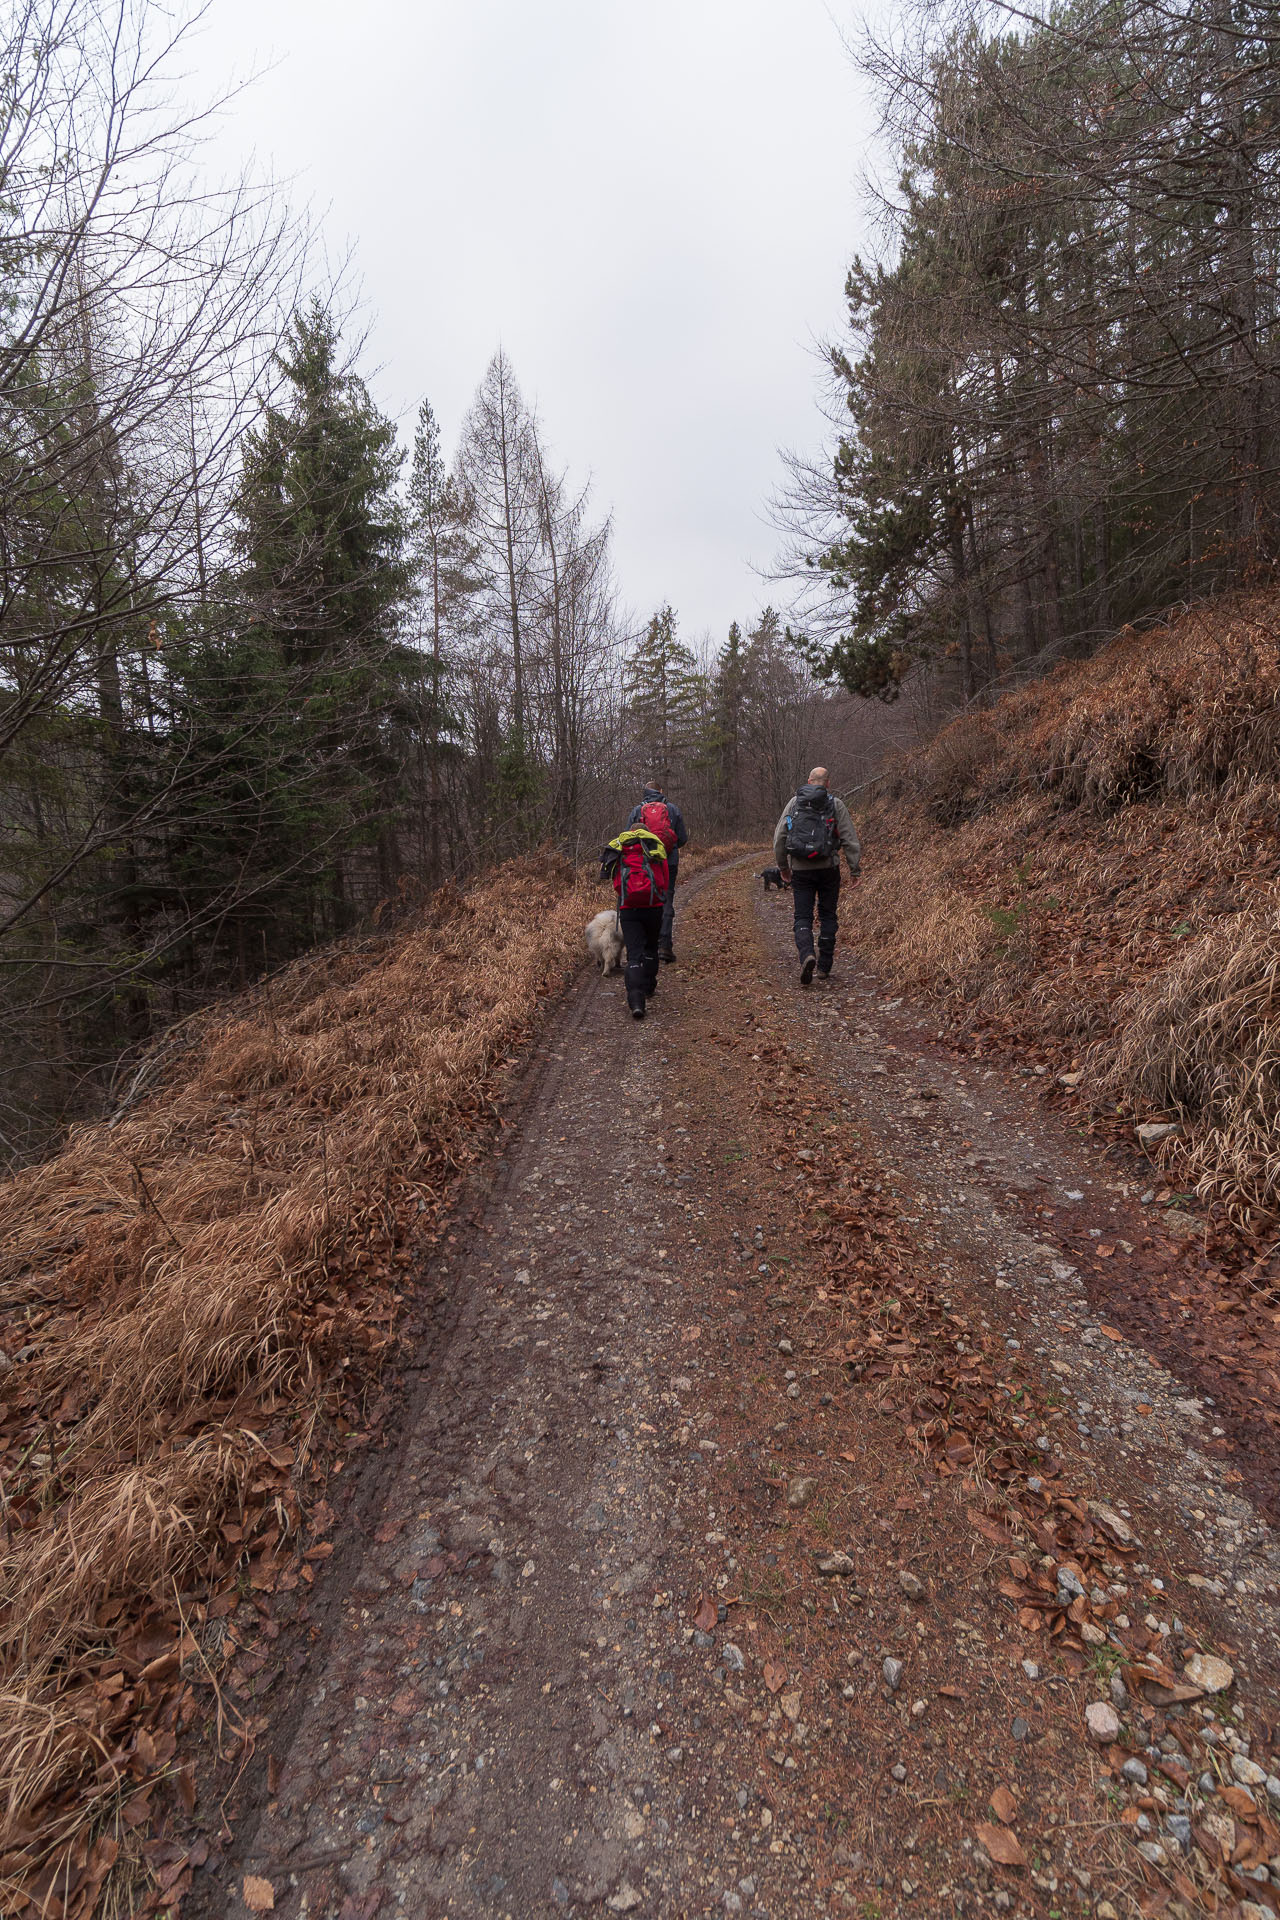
column 807, row 966
column 637, row 991
column 666, row 953
column 824, row 969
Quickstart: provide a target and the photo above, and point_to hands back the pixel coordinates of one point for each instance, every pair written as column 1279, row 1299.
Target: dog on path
column 772, row 877
column 604, row 941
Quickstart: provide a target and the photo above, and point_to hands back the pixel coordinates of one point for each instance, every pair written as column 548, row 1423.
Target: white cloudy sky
column 650, row 205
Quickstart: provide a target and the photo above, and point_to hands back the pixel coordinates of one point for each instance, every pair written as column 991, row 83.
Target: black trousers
column 819, row 887
column 641, row 929
column 669, row 910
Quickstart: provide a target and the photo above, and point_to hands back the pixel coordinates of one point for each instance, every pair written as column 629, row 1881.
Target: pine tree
column 773, row 690
column 660, row 687
column 729, row 687
column 446, row 562
column 302, row 686
column 321, row 530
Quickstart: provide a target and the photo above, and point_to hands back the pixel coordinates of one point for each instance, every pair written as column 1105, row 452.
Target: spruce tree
column 660, row 686
column 321, row 529
column 320, row 600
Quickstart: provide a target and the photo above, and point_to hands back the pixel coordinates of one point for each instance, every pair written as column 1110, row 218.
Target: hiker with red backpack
column 663, row 817
column 636, row 862
column 807, row 843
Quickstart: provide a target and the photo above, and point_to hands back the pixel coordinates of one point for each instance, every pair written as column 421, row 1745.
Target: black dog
column 772, row 877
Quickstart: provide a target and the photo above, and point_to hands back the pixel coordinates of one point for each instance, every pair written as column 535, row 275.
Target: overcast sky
column 651, row 206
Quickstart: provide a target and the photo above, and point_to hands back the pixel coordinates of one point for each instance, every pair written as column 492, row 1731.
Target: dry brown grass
column 186, row 1299
column 1187, row 709
column 1093, row 869
column 1202, row 1042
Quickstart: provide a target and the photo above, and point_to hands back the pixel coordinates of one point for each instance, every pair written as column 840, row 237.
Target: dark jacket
column 677, row 821
column 846, row 835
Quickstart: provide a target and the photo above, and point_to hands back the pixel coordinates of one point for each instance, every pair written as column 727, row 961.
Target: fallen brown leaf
column 1003, row 1846
column 775, row 1675
column 705, row 1615
column 259, row 1894
column 1003, row 1805
column 989, row 1529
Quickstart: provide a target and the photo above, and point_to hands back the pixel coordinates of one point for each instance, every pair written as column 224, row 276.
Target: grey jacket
column 850, row 845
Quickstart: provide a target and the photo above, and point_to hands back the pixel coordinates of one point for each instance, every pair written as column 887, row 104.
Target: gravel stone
column 1247, row 1771
column 1205, row 1670
column 1103, row 1722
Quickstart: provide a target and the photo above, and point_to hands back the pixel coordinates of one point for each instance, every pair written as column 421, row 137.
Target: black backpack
column 811, row 826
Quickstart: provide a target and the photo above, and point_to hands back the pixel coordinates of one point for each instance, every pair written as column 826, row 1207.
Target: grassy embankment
column 1090, row 872
column 193, row 1304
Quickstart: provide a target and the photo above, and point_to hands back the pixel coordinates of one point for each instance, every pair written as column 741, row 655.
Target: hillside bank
column 1088, row 874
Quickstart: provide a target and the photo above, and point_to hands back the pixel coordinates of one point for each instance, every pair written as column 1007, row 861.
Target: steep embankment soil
column 779, row 1493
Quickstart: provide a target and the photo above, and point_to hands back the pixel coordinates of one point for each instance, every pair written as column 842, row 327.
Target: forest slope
column 1089, row 871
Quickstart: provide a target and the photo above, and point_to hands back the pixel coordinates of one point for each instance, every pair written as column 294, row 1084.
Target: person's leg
column 635, row 934
column 828, row 917
column 665, row 948
column 804, row 888
column 653, row 944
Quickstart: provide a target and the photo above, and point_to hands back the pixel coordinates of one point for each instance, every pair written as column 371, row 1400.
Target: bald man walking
column 808, row 842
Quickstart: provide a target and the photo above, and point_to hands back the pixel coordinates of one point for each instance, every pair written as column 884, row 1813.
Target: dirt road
column 770, row 1505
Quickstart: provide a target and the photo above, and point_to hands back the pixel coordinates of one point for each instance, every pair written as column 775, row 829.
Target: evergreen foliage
column 1059, row 386
column 662, row 694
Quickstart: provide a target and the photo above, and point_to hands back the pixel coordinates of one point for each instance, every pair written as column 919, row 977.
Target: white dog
column 605, row 942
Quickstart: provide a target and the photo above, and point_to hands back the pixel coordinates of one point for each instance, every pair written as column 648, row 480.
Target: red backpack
column 640, row 874
column 656, row 815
